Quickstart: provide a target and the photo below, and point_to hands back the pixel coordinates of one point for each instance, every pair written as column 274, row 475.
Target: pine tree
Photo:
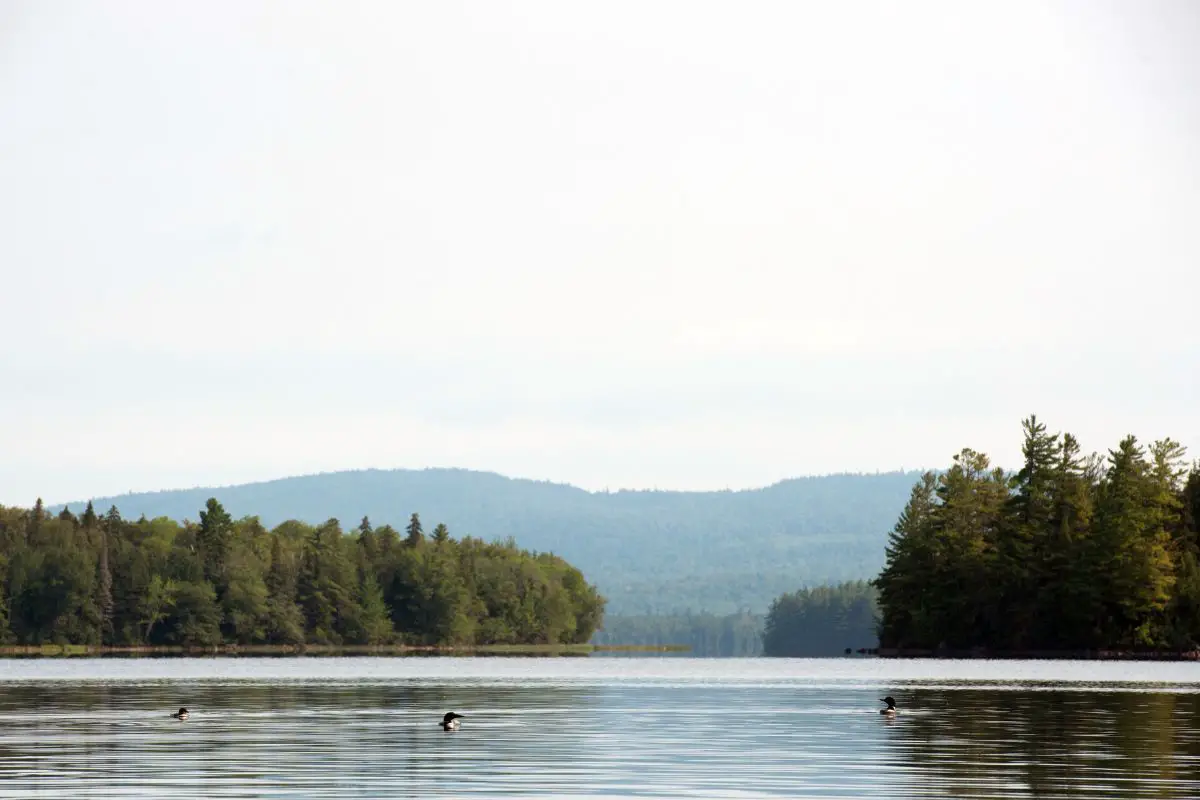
column 1024, row 548
column 327, row 586
column 368, row 545
column 89, row 521
column 214, row 538
column 112, row 520
column 1137, row 575
column 911, row 555
column 285, row 621
column 1069, row 604
column 415, row 534
column 375, row 620
column 37, row 517
column 104, row 597
column 1189, row 502
column 966, row 579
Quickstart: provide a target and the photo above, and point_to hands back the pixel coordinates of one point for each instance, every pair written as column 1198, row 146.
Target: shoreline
column 81, row 650
column 1107, row 654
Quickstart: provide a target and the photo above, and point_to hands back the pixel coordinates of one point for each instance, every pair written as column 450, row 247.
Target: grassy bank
column 335, row 650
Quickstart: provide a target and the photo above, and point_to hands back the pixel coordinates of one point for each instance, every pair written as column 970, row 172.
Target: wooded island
column 92, row 580
column 1072, row 552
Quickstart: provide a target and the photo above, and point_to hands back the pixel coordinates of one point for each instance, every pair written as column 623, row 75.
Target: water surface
column 598, row 727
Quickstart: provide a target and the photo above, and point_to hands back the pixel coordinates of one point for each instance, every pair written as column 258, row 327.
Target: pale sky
column 619, row 244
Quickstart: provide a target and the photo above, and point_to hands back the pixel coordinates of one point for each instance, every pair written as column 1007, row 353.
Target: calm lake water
column 597, row 727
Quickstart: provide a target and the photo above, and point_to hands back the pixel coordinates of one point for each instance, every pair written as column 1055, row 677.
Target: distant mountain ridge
column 649, row 551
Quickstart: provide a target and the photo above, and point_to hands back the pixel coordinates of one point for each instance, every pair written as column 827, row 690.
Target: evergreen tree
column 327, row 587
column 368, row 543
column 112, row 522
column 1190, row 507
column 1138, row 575
column 415, row 534
column 1070, row 600
column 104, row 597
column 285, row 621
column 214, row 539
column 89, row 521
column 376, row 618
column 37, row 517
column 1024, row 552
column 967, row 530
column 911, row 556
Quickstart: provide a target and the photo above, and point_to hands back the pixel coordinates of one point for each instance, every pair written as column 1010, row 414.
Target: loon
column 180, row 714
column 891, row 707
column 450, row 722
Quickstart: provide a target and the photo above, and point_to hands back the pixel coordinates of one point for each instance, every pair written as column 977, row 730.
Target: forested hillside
column 89, row 579
column 731, row 635
column 649, row 552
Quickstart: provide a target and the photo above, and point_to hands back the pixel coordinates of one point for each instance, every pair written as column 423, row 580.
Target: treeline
column 1072, row 552
column 649, row 552
column 104, row 580
column 732, row 635
column 822, row 621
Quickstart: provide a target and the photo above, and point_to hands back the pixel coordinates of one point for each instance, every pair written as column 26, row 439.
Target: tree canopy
column 92, row 579
column 1069, row 552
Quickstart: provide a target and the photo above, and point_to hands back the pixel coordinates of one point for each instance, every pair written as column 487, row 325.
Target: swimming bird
column 180, row 714
column 450, row 722
column 891, row 707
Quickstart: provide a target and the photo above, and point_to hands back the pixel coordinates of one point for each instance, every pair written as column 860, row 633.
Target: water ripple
column 594, row 728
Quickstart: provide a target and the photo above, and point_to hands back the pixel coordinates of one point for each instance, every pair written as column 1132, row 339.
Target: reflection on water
column 369, row 727
column 1051, row 743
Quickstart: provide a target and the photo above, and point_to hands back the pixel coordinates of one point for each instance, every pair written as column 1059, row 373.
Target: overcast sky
column 618, row 244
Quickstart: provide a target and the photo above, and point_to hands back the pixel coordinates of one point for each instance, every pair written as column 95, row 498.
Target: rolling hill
column 649, row 551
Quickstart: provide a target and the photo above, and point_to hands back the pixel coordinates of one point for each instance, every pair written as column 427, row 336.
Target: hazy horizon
column 649, row 244
column 71, row 502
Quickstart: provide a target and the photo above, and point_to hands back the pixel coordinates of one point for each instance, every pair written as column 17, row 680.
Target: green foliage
column 1068, row 553
column 213, row 539
column 650, row 552
column 415, row 534
column 106, row 580
column 822, row 621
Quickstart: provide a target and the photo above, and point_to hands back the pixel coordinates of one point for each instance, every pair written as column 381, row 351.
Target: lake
column 597, row 727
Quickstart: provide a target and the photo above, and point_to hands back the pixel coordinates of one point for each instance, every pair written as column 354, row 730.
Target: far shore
column 1060, row 655
column 335, row 650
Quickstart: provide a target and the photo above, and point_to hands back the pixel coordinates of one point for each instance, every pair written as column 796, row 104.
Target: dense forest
column 822, row 621
column 1071, row 552
column 648, row 552
column 91, row 579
